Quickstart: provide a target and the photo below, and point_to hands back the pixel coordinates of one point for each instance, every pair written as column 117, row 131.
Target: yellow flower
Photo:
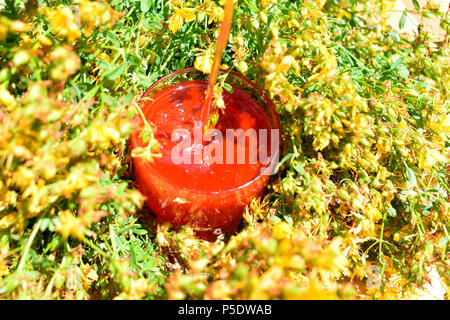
column 374, row 214
column 66, row 63
column 70, row 225
column 4, row 270
column 7, row 25
column 101, row 134
column 215, row 13
column 344, row 13
column 3, row 28
column 319, row 3
column 270, row 279
column 7, row 99
column 440, row 124
column 76, row 180
column 63, row 23
column 137, row 289
column 7, row 221
column 265, row 3
column 175, row 23
column 188, row 14
column 286, row 64
column 219, row 290
column 282, row 230
column 203, row 63
column 263, row 16
column 93, row 14
column 314, row 291
column 181, row 15
column 430, row 157
column 26, row 41
column 20, row 26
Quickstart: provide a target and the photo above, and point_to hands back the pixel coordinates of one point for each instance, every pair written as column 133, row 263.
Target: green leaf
column 145, row 135
column 140, row 232
column 428, row 14
column 145, row 5
column 391, row 212
column 397, row 62
column 403, row 71
column 133, row 60
column 395, row 36
column 153, row 25
column 114, row 72
column 443, row 242
column 228, row 87
column 416, row 4
column 343, row 194
column 44, row 225
column 299, row 168
column 402, row 21
column 113, row 38
column 128, row 97
column 288, row 219
column 133, row 258
column 121, row 190
column 410, row 175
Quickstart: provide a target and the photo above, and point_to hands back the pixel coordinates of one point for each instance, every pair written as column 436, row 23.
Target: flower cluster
column 364, row 164
column 266, row 261
column 183, row 13
column 60, row 149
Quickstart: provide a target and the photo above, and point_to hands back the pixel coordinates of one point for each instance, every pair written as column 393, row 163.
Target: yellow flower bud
column 263, row 17
column 7, row 99
column 275, row 33
column 282, row 230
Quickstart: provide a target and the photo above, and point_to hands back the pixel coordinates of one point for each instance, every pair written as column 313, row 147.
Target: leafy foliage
column 361, row 195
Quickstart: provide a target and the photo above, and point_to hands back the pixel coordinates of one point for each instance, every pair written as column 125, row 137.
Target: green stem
column 49, row 288
column 96, row 248
column 360, row 64
column 112, row 235
column 29, row 243
column 251, row 6
column 380, row 247
column 443, row 182
column 136, row 42
column 445, row 246
column 163, row 66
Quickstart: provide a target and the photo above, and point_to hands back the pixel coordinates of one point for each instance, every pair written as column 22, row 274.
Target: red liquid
column 204, row 195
